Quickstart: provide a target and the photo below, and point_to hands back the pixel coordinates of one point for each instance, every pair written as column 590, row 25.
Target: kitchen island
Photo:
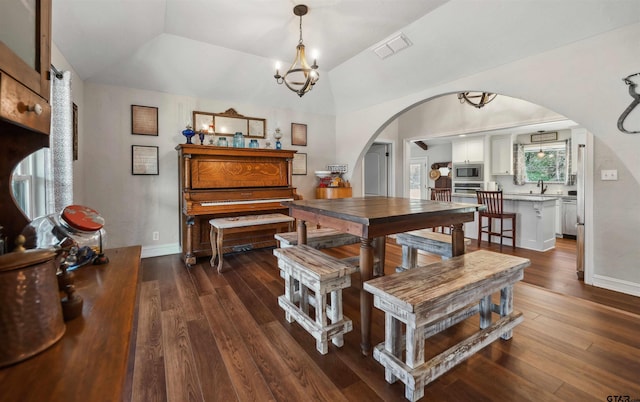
column 536, row 223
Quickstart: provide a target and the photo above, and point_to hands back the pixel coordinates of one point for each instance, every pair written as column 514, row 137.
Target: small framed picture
column 144, row 160
column 298, row 134
column 299, row 164
column 144, row 120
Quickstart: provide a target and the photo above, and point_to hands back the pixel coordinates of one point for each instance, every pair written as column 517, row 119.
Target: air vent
column 391, row 45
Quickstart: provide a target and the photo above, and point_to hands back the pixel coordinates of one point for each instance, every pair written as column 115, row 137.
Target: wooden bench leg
column 506, row 307
column 392, row 343
column 289, row 293
column 485, row 312
column 214, row 246
column 336, row 315
column 219, row 249
column 409, row 258
column 322, row 343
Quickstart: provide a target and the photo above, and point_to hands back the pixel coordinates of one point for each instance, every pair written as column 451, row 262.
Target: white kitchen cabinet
column 502, row 155
column 468, row 150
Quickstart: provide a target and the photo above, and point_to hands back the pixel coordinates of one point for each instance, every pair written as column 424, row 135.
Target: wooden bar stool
column 494, row 202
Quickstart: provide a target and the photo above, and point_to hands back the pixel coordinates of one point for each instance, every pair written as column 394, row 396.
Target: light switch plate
column 611, row 174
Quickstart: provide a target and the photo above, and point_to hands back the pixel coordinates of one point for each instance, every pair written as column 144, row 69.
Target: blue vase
column 278, row 145
column 188, row 132
column 254, row 144
column 222, row 142
column 238, row 140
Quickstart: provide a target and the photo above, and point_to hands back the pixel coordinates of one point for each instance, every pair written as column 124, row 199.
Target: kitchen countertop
column 523, row 196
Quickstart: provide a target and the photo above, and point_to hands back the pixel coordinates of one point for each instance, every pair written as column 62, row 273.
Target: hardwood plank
column 149, row 384
column 245, row 377
column 201, row 280
column 187, row 293
column 215, row 381
column 320, row 387
column 183, row 383
column 276, row 373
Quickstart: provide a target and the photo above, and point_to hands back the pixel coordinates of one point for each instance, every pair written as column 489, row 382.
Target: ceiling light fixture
column 476, row 99
column 300, row 78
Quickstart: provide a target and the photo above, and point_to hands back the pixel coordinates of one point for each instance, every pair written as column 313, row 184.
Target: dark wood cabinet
column 25, row 114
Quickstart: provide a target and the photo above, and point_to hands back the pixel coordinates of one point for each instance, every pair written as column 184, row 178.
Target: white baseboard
column 617, row 285
column 157, row 251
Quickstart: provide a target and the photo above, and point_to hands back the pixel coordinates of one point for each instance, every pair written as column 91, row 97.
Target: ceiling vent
column 391, row 45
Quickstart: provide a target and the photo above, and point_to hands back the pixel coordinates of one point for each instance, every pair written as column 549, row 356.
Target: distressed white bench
column 310, row 270
column 318, row 238
column 424, row 240
column 239, row 224
column 431, row 298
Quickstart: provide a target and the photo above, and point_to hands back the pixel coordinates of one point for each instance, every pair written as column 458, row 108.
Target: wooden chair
column 441, row 194
column 494, row 202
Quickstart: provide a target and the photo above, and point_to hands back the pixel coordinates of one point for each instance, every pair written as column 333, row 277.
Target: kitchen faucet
column 542, row 187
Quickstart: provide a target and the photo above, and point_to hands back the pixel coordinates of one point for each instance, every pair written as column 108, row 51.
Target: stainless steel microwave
column 468, row 172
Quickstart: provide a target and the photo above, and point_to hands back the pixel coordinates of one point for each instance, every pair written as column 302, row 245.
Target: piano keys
column 219, row 182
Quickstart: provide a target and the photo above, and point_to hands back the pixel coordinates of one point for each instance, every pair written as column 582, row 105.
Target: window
column 547, row 162
column 28, row 183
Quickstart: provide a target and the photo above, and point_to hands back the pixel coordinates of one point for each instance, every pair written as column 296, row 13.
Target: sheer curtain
column 60, row 180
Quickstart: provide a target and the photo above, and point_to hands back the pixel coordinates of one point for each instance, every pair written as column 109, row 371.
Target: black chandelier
column 300, row 78
column 476, row 99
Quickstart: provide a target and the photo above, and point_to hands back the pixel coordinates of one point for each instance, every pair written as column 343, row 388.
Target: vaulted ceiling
column 227, row 49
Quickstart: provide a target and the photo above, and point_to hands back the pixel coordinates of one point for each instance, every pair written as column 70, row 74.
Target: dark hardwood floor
column 203, row 336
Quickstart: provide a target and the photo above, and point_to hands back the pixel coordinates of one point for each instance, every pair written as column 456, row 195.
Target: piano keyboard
column 238, row 202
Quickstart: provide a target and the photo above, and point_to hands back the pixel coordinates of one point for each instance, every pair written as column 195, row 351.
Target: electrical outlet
column 611, row 174
column 156, row 235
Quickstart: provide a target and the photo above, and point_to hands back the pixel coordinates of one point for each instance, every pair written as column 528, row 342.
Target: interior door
column 376, row 168
column 418, row 178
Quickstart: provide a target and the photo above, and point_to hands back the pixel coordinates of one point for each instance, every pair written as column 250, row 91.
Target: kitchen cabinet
column 502, row 155
column 25, row 60
column 569, row 218
column 468, row 150
column 24, row 63
column 536, row 223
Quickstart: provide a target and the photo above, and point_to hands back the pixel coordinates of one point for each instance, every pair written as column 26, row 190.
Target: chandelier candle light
column 300, row 78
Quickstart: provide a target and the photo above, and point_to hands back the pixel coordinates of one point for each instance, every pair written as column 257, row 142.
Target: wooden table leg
column 366, row 298
column 302, row 232
column 379, row 245
column 457, row 240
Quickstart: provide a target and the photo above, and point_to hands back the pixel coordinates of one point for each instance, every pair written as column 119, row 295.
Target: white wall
column 136, row 206
column 572, row 82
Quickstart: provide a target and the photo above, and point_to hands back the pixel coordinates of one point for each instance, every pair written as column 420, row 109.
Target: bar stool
column 494, row 202
column 441, row 194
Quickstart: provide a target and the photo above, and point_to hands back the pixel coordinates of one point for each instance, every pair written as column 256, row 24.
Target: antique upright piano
column 219, row 182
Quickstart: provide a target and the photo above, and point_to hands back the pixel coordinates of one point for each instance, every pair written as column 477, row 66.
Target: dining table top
column 369, row 211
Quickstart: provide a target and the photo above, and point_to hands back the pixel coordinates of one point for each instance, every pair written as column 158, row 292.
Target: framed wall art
column 299, row 164
column 144, row 160
column 298, row 134
column 144, row 120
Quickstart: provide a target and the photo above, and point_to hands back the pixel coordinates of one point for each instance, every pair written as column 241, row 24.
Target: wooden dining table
column 373, row 218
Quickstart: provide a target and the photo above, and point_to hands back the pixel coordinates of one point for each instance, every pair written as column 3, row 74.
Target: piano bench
column 239, row 224
column 318, row 238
